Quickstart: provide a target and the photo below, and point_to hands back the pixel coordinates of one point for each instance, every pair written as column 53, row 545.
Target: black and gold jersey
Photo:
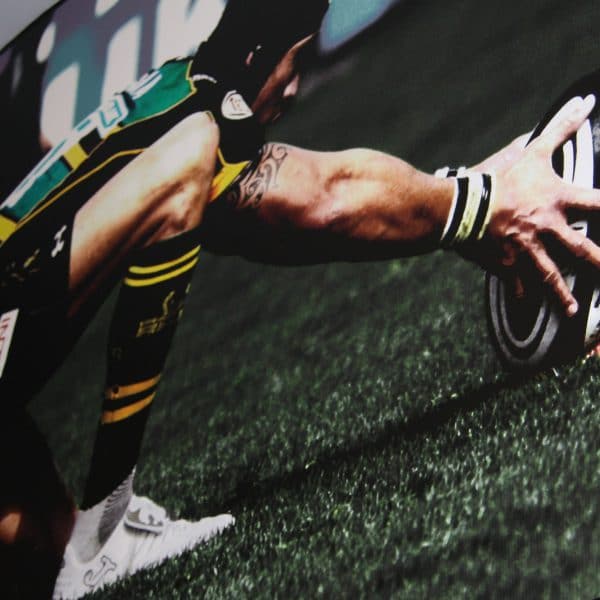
column 36, row 219
column 123, row 127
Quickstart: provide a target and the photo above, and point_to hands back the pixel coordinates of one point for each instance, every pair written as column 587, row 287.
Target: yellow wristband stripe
column 492, row 200
column 471, row 208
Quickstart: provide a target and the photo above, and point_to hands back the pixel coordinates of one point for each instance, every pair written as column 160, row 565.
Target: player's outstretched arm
column 532, row 204
column 304, row 207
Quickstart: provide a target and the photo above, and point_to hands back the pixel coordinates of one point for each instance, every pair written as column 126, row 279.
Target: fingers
column 518, row 287
column 573, row 117
column 580, row 246
column 506, row 156
column 532, row 200
column 552, row 277
column 580, row 198
column 521, row 141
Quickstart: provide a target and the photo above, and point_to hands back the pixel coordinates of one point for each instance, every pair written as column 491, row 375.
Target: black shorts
column 35, row 333
column 34, row 290
column 34, row 280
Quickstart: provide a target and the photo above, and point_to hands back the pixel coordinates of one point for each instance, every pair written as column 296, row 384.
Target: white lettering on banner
column 121, row 63
column 46, row 43
column 145, row 84
column 102, row 120
column 181, row 25
column 58, row 104
column 176, row 28
column 103, row 6
column 7, row 327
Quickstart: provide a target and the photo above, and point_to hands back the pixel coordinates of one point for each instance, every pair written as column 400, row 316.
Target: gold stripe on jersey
column 74, row 156
column 7, row 226
column 122, row 391
column 226, row 176
column 42, row 204
column 163, row 266
column 120, row 414
column 45, row 204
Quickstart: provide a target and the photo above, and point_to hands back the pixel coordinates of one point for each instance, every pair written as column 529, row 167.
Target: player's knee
column 32, row 545
column 196, row 141
column 183, row 210
column 192, row 151
column 11, row 526
column 47, row 529
column 186, row 152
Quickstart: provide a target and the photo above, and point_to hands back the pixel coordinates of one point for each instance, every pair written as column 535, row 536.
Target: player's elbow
column 187, row 151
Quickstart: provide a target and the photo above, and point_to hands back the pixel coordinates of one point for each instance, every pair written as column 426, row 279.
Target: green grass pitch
column 354, row 417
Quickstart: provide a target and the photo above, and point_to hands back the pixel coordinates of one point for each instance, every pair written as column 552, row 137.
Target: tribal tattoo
column 250, row 191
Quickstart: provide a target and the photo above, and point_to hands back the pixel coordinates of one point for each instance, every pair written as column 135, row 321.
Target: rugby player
column 283, row 204
column 75, row 226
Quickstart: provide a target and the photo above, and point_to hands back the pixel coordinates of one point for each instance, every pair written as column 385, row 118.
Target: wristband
column 450, row 172
column 471, row 208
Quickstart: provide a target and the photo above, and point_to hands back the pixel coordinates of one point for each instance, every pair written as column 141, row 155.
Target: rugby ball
column 533, row 332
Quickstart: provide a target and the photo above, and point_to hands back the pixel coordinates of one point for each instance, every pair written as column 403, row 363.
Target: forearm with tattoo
column 303, row 207
column 251, row 189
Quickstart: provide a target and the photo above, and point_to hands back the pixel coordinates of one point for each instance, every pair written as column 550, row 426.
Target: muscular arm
column 303, row 207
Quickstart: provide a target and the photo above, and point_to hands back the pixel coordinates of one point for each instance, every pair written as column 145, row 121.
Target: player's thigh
column 34, row 330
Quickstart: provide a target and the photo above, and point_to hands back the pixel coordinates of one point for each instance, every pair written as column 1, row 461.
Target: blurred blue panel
column 346, row 18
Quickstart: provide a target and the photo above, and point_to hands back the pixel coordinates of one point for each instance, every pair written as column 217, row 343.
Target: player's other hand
column 531, row 206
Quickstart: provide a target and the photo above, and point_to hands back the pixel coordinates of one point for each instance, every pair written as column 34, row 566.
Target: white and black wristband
column 450, row 172
column 471, row 207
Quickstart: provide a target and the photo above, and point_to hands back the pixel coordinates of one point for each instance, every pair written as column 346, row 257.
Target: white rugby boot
column 144, row 537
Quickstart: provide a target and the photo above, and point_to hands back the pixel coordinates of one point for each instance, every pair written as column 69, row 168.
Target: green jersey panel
column 126, row 124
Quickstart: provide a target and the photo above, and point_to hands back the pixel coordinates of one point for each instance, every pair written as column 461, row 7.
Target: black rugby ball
column 532, row 331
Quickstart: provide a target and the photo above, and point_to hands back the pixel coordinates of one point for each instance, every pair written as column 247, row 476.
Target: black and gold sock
column 148, row 309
